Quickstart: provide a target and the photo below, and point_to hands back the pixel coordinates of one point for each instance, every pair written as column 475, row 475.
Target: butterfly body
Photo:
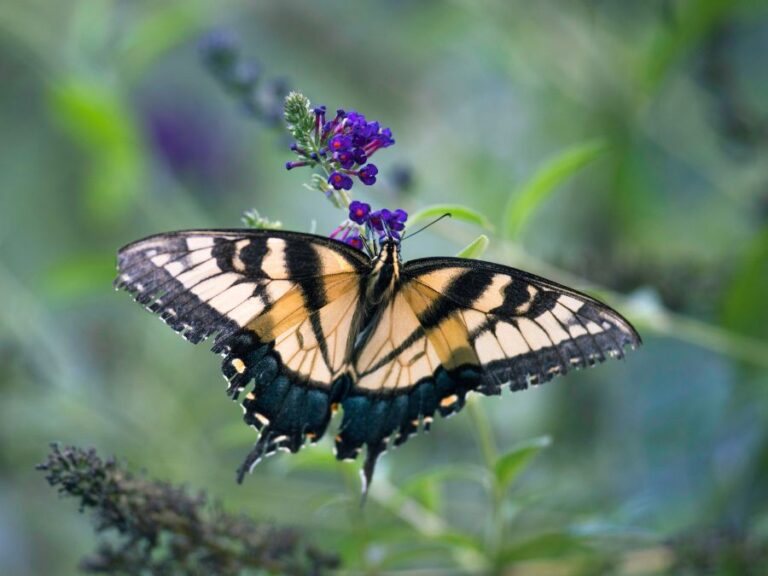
column 312, row 326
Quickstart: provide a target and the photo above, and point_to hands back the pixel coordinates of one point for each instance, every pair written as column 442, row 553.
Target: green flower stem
column 495, row 528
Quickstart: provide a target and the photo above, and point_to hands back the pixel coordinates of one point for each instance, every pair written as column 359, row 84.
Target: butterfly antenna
column 435, row 221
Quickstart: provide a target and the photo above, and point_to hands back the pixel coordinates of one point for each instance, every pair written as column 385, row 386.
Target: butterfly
column 308, row 325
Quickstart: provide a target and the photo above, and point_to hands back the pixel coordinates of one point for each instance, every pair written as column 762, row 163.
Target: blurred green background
column 616, row 146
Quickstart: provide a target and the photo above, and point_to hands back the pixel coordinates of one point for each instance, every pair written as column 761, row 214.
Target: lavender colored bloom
column 342, row 145
column 354, row 240
column 359, row 211
column 340, row 181
column 397, row 220
column 339, row 143
column 345, row 158
column 376, row 219
column 388, row 223
column 367, row 174
column 359, row 156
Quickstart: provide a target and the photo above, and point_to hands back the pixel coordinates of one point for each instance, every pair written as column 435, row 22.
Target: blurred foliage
column 616, row 147
column 163, row 530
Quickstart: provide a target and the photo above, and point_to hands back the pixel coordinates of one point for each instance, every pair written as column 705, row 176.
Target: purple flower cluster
column 345, row 144
column 387, row 223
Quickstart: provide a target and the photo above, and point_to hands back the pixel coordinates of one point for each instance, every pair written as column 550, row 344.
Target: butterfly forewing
column 524, row 329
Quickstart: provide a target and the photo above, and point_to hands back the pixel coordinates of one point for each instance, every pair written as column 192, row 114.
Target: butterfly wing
column 280, row 306
column 456, row 325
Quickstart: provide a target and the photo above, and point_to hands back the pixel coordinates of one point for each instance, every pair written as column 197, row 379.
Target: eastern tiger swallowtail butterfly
column 311, row 325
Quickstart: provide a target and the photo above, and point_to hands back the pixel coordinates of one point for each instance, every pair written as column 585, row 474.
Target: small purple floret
column 359, row 211
column 359, row 155
column 339, row 143
column 354, row 240
column 340, row 181
column 387, row 222
column 345, row 158
column 367, row 174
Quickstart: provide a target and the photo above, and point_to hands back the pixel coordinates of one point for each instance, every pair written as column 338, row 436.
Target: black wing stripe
column 469, row 285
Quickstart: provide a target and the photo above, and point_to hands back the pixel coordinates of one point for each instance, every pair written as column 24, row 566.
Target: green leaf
column 744, row 309
column 424, row 487
column 553, row 545
column 163, row 28
column 475, row 248
column 457, row 211
column 97, row 118
column 546, row 180
column 509, row 466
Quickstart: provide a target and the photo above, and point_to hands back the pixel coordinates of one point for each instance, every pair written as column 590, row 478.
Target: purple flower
column 374, row 220
column 367, row 174
column 339, row 181
column 359, row 155
column 343, row 146
column 345, row 158
column 387, row 222
column 354, row 240
column 359, row 211
column 397, row 220
column 339, row 143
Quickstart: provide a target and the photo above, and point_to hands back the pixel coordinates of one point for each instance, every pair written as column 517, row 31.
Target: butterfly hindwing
column 280, row 306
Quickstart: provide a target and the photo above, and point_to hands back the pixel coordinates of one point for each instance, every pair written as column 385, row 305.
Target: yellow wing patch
column 315, row 345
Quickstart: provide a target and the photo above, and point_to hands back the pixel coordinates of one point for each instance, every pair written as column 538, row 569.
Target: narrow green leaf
column 509, row 466
column 424, row 486
column 463, row 541
column 475, row 248
column 97, row 118
column 545, row 181
column 743, row 309
column 457, row 211
column 450, row 472
column 164, row 28
column 552, row 545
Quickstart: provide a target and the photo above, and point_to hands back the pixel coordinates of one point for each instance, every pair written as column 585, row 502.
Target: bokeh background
column 621, row 147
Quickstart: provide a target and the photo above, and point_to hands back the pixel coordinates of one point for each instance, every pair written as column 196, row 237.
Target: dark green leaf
column 99, row 120
column 553, row 545
column 456, row 211
column 546, row 180
column 509, row 466
column 475, row 248
column 744, row 308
